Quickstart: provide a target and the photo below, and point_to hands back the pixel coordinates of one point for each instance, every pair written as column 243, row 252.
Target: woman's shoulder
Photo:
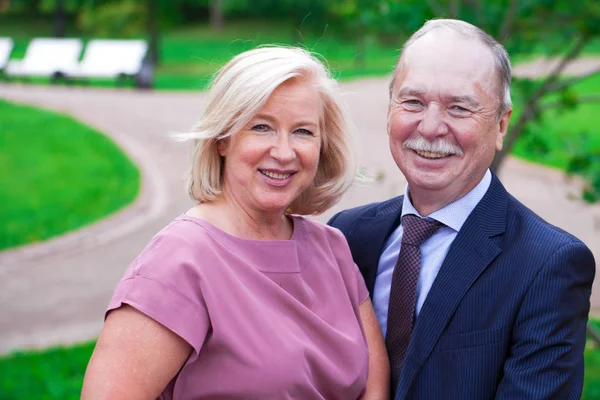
column 183, row 244
column 184, row 232
column 319, row 229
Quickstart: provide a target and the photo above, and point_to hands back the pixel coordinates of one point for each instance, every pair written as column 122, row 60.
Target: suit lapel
column 470, row 254
column 368, row 235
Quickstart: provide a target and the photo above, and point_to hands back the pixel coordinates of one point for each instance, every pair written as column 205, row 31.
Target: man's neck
column 427, row 202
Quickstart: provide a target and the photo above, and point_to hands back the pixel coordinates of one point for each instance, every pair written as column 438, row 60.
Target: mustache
column 419, row 143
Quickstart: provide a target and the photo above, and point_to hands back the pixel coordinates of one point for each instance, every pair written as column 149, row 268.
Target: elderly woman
column 241, row 298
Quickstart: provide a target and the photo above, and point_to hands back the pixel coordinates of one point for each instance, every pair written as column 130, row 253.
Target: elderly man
column 478, row 297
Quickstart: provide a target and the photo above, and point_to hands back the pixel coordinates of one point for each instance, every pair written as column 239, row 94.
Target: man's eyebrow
column 464, row 99
column 408, row 91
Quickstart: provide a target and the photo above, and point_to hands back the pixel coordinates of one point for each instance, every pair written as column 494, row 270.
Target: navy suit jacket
column 506, row 315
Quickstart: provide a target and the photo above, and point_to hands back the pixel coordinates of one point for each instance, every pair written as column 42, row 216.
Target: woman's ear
column 222, row 145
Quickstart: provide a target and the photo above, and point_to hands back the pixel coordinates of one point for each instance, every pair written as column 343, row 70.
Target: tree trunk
column 216, row 15
column 4, row 4
column 153, row 32
column 59, row 19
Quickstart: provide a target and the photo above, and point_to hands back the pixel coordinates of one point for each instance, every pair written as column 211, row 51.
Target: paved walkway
column 56, row 292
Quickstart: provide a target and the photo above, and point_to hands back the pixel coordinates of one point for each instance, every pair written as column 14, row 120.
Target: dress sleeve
column 164, row 283
column 361, row 287
column 354, row 280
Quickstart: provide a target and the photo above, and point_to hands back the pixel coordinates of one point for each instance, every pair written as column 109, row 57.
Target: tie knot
column 416, row 230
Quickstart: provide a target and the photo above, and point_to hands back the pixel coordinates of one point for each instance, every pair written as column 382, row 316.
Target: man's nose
column 432, row 125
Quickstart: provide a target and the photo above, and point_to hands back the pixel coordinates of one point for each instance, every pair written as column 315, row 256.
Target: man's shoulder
column 343, row 219
column 525, row 221
column 522, row 224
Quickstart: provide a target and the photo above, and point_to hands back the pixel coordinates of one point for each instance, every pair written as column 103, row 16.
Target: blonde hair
column 238, row 92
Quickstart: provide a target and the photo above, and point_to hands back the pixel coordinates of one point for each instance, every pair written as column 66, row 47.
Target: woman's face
column 274, row 158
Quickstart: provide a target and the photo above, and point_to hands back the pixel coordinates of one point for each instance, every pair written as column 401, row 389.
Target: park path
column 56, row 292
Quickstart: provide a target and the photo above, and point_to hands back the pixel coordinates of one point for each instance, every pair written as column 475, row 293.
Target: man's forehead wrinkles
column 451, row 96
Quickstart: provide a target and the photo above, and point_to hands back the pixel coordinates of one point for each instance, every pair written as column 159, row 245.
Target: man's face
column 442, row 119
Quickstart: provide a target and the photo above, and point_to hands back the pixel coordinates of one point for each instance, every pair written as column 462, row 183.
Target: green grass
column 191, row 55
column 591, row 387
column 58, row 175
column 57, row 373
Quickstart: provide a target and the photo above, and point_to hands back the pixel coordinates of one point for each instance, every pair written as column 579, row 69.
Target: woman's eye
column 260, row 128
column 303, row 131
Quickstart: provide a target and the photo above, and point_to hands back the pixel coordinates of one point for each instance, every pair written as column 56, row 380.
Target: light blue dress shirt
column 433, row 250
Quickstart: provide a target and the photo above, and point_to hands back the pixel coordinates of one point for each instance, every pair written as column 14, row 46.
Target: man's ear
column 387, row 124
column 222, row 146
column 503, row 128
column 387, row 120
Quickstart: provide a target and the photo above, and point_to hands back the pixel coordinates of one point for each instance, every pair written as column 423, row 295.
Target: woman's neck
column 243, row 222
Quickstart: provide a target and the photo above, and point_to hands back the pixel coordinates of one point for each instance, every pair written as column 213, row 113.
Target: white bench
column 47, row 58
column 105, row 58
column 6, row 47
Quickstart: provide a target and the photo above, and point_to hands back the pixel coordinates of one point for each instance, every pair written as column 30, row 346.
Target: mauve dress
column 275, row 319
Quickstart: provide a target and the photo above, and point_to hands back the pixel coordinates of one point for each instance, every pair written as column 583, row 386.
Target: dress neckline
column 297, row 226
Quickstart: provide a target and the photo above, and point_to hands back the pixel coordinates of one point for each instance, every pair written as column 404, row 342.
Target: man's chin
column 428, row 181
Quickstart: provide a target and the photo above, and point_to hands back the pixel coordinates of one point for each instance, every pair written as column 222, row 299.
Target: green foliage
column 565, row 136
column 371, row 31
column 586, row 163
column 43, row 7
column 58, row 175
column 127, row 18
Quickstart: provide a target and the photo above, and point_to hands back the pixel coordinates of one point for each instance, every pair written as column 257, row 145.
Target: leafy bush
column 127, row 18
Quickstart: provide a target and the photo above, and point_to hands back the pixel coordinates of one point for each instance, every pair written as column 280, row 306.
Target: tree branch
column 558, row 69
column 568, row 82
column 583, row 99
column 532, row 103
column 509, row 20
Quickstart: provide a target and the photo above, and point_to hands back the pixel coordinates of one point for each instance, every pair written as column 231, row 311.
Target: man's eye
column 260, row 128
column 412, row 105
column 459, row 109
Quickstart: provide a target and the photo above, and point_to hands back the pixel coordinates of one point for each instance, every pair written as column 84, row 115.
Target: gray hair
column 499, row 54
column 238, row 92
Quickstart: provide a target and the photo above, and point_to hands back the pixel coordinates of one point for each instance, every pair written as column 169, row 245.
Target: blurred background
column 91, row 89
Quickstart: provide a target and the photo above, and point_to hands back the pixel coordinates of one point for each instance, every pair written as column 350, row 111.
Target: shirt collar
column 454, row 214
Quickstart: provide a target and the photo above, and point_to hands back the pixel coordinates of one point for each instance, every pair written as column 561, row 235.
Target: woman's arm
column 378, row 382
column 135, row 358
